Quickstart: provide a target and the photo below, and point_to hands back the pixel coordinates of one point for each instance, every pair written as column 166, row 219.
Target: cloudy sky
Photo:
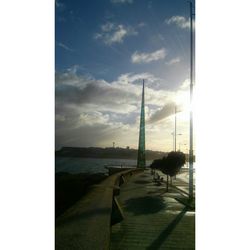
column 103, row 51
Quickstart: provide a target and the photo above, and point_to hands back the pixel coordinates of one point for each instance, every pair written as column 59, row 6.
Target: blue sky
column 103, row 51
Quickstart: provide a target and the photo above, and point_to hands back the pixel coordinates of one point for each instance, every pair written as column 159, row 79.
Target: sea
column 75, row 165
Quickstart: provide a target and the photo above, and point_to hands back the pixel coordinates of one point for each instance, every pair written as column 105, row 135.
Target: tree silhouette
column 170, row 165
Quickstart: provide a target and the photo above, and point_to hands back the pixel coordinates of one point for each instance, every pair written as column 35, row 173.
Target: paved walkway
column 154, row 219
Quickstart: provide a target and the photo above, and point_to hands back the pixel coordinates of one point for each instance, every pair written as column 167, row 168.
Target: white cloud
column 121, row 1
column 93, row 117
column 95, row 112
column 148, row 57
column 170, row 99
column 121, row 95
column 159, row 97
column 141, row 24
column 60, row 118
column 59, row 5
column 137, row 78
column 65, row 47
column 173, row 61
column 180, row 21
column 185, row 85
column 91, row 94
column 107, row 27
column 162, row 113
column 114, row 33
column 71, row 77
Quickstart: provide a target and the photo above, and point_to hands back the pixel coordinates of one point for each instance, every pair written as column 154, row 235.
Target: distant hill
column 115, row 153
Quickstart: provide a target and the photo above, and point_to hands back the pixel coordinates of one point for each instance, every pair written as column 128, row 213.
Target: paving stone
column 154, row 219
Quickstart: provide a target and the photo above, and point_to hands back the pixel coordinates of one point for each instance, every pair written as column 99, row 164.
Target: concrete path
column 154, row 219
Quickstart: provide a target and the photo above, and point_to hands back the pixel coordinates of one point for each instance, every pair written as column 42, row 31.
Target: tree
column 170, row 165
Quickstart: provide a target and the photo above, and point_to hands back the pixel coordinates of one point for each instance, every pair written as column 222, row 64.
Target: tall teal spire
column 141, row 160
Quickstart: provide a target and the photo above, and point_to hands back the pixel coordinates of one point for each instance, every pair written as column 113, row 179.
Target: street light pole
column 179, row 142
column 173, row 139
column 191, row 111
column 175, row 128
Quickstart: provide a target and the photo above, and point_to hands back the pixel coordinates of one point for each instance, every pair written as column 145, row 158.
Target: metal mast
column 141, row 160
column 191, row 111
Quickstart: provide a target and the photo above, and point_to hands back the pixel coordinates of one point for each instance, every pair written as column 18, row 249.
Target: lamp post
column 191, row 112
column 175, row 130
column 175, row 141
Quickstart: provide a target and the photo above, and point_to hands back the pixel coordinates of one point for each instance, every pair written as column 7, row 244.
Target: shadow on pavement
column 145, row 205
column 167, row 231
column 159, row 191
column 142, row 182
column 143, row 176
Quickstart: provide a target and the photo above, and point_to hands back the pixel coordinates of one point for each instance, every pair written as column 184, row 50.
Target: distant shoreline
column 105, row 153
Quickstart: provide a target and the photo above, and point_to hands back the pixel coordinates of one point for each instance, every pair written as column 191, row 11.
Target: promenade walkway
column 154, row 219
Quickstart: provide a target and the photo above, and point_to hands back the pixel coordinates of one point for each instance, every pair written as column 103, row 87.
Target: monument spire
column 141, row 160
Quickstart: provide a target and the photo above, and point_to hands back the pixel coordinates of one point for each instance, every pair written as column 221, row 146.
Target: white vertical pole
column 175, row 128
column 191, row 111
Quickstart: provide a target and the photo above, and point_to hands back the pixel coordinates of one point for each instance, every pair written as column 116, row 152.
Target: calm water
column 89, row 165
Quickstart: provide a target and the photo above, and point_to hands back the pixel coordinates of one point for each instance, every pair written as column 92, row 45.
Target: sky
column 103, row 50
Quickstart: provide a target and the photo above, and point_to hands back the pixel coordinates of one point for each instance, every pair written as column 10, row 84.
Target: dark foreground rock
column 69, row 188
